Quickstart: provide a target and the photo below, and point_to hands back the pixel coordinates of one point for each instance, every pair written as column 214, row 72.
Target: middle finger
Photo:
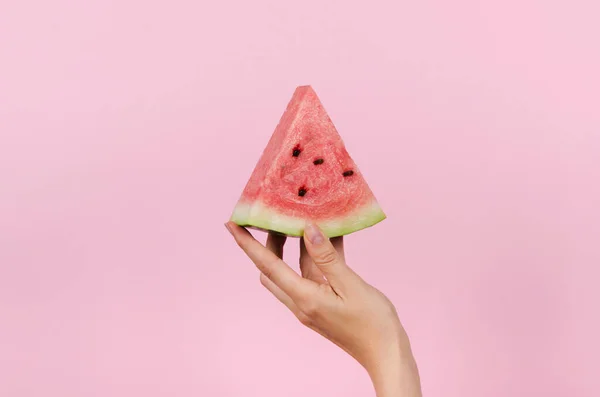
column 307, row 267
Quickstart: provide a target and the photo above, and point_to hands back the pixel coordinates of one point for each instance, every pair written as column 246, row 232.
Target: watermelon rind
column 256, row 215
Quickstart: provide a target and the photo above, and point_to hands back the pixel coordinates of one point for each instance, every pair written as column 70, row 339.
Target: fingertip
column 276, row 239
column 228, row 227
column 338, row 242
column 234, row 228
column 240, row 234
column 314, row 234
column 277, row 236
column 275, row 243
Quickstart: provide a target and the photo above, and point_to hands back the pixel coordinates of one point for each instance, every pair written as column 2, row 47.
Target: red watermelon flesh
column 306, row 174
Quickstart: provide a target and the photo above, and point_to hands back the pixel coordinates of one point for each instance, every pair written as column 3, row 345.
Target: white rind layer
column 258, row 215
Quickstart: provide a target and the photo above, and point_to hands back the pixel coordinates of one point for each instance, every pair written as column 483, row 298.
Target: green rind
column 257, row 216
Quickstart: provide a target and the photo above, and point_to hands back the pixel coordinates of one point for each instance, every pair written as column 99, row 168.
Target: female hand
column 331, row 299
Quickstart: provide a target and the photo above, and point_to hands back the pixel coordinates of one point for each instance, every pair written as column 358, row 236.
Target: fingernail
column 228, row 228
column 314, row 234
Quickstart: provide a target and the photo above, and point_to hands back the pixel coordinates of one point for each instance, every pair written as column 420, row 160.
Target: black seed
column 348, row 173
column 296, row 152
column 318, row 161
column 302, row 192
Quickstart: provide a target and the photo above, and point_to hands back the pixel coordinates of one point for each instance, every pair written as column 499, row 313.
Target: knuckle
column 266, row 272
column 304, row 319
column 263, row 279
column 267, row 268
column 310, row 307
column 328, row 258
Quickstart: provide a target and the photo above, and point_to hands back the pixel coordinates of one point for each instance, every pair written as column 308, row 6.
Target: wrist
column 395, row 373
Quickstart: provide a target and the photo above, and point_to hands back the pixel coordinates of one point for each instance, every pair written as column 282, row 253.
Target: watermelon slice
column 306, row 174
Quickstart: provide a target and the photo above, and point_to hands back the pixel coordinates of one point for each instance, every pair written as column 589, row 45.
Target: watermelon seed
column 302, row 191
column 296, row 151
column 348, row 173
column 318, row 161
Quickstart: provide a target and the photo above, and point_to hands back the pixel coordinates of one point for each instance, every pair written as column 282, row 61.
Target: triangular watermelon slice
column 305, row 173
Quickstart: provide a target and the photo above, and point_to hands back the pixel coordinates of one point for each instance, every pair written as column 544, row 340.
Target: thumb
column 326, row 258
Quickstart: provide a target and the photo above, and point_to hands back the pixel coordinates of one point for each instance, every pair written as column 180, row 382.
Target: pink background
column 129, row 128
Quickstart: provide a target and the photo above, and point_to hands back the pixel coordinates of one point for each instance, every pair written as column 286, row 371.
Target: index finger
column 273, row 267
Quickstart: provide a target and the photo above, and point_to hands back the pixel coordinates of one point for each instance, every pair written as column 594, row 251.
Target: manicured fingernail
column 314, row 234
column 228, row 228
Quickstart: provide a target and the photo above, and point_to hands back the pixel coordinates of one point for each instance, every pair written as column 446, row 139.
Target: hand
column 331, row 299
